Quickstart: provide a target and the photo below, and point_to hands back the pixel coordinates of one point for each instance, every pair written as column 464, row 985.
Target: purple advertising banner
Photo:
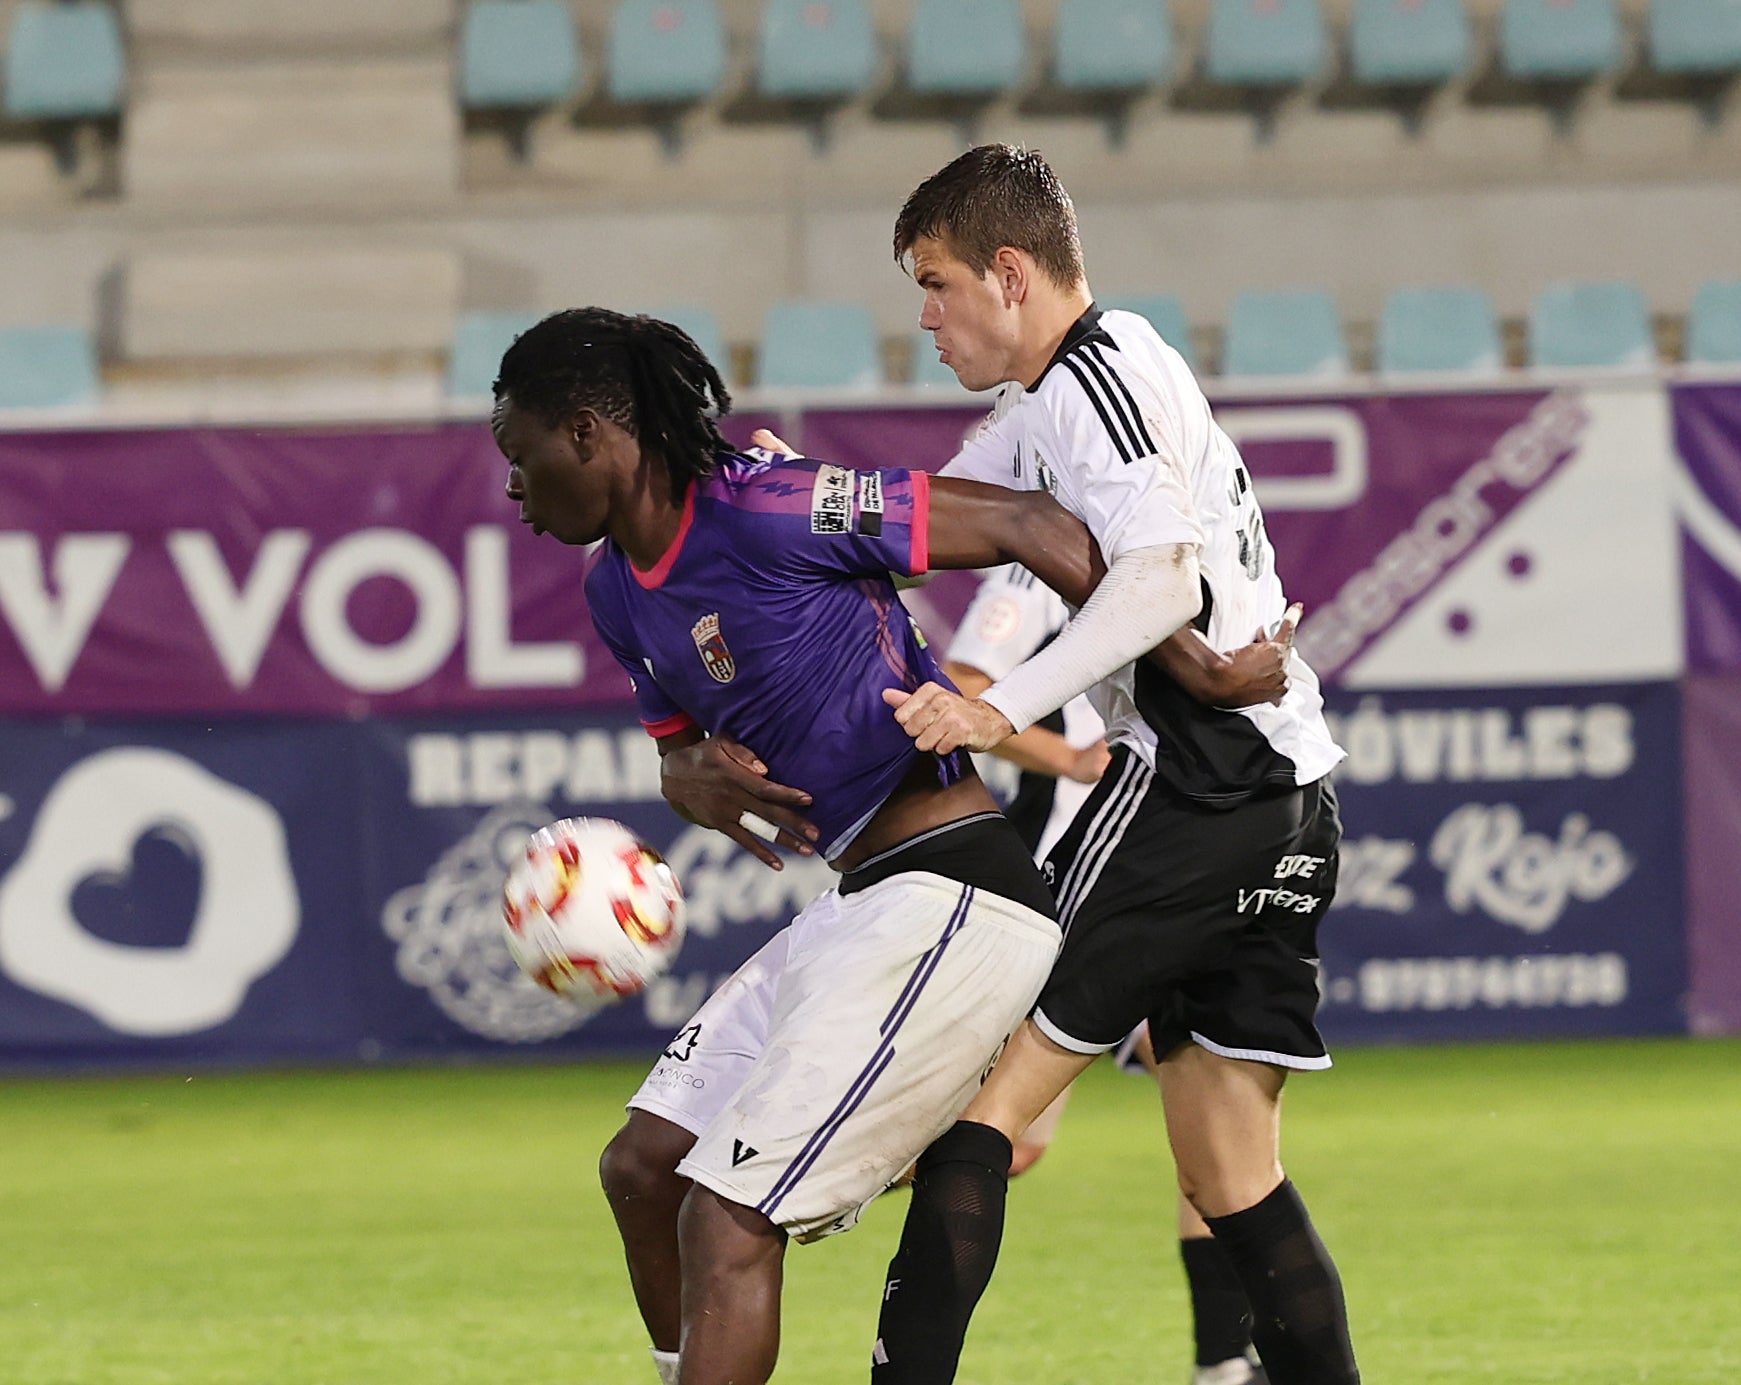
column 1707, row 429
column 1511, row 865
column 323, row 572
column 1713, row 851
column 1435, row 540
column 268, row 891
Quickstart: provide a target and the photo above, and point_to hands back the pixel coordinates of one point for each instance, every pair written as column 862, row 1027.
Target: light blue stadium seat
column 928, row 369
column 1695, row 35
column 666, row 51
column 1714, row 324
column 1266, row 42
column 703, row 329
column 46, row 367
column 1165, row 314
column 1284, row 332
column 518, row 53
column 817, row 344
column 1408, row 42
column 1560, row 38
column 1446, row 328
column 475, row 358
column 1113, row 45
column 816, row 49
column 966, row 47
column 1590, row 324
column 64, row 61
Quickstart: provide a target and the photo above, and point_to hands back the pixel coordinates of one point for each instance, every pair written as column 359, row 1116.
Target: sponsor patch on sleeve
column 870, row 503
column 831, row 500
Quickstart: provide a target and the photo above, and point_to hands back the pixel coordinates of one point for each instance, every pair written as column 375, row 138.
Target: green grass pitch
column 1543, row 1213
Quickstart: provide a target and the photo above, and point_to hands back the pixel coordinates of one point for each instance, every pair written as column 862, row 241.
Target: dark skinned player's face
column 549, row 476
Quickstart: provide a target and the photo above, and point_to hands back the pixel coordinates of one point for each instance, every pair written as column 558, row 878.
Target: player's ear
column 1013, row 271
column 585, row 429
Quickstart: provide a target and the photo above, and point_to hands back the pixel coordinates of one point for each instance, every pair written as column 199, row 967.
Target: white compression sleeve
column 1145, row 596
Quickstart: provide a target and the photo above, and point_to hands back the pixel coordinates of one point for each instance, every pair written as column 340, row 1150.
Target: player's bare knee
column 640, row 1163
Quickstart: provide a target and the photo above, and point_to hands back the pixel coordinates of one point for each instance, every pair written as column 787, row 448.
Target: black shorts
column 1201, row 921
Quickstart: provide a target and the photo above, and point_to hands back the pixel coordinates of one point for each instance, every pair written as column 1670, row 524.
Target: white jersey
column 1012, row 615
column 1119, row 433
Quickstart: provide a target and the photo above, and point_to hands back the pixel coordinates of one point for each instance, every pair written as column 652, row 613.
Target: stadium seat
column 517, row 54
column 1590, row 324
column 1560, row 39
column 818, row 345
column 1714, row 324
column 665, row 52
column 479, row 339
column 966, row 47
column 63, row 61
column 703, row 329
column 1409, row 42
column 46, row 367
column 816, row 50
column 1289, row 332
column 1266, row 42
column 1165, row 314
column 1446, row 328
column 1702, row 36
column 1113, row 45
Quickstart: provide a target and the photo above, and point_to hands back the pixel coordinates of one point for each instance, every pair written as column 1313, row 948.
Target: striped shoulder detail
column 1111, row 397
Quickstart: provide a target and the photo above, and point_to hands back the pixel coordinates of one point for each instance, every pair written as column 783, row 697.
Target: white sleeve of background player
column 1121, row 468
column 1146, row 595
column 1011, row 615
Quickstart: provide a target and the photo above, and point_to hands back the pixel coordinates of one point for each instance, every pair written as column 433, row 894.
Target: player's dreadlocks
column 645, row 375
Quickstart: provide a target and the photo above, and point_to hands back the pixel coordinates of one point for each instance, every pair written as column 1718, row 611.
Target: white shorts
column 854, row 1038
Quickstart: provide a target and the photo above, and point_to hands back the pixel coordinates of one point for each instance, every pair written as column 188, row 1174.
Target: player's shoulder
column 759, row 482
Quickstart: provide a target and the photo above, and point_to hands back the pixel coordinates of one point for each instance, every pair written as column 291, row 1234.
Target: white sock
column 1235, row 1371
column 666, row 1361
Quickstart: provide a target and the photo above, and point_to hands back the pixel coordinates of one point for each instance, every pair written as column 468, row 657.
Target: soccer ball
column 591, row 912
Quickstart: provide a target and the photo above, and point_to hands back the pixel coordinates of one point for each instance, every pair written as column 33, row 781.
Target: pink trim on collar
column 662, row 569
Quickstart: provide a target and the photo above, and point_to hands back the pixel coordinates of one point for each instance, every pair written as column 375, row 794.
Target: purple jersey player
column 771, row 619
column 750, row 600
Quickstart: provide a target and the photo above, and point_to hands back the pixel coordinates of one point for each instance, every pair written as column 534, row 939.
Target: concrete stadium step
column 313, row 132
column 285, row 295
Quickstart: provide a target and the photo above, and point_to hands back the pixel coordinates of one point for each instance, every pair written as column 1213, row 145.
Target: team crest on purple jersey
column 714, row 652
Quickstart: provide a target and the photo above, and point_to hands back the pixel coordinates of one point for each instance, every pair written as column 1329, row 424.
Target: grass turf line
column 1539, row 1213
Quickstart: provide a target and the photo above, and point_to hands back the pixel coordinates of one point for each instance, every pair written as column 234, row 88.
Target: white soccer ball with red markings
column 591, row 912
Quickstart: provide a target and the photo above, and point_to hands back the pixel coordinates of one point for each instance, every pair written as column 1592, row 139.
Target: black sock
column 1220, row 1314
column 948, row 1248
column 1299, row 1318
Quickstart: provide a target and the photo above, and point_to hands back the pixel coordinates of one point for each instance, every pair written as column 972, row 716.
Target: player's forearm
column 976, row 525
column 1194, row 664
column 1145, row 597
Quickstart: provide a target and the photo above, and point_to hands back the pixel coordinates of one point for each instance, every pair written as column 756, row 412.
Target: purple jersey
column 772, row 619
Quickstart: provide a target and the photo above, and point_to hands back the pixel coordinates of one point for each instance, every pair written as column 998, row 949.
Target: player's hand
column 1089, row 763
column 1259, row 672
column 941, row 721
column 715, row 782
column 770, row 441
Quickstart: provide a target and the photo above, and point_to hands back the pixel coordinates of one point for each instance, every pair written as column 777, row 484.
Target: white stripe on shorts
column 1102, row 838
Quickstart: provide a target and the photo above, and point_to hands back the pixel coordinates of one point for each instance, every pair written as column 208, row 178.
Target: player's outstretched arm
column 977, row 525
column 717, row 782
